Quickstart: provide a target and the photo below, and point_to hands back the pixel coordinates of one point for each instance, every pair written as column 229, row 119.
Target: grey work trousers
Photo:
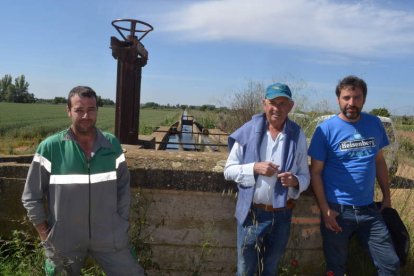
column 118, row 262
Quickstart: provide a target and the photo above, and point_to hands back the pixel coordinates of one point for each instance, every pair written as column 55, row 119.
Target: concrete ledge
column 187, row 208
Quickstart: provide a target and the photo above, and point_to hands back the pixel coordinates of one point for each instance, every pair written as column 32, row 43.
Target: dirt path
column 405, row 171
column 408, row 134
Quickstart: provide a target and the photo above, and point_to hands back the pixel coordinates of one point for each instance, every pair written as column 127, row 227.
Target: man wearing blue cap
column 268, row 161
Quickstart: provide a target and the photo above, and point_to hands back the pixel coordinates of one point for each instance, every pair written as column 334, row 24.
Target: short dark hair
column 351, row 82
column 81, row 91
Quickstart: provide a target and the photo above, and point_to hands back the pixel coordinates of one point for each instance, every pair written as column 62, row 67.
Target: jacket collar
column 100, row 140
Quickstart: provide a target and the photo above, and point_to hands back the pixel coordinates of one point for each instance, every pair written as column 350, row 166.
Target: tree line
column 204, row 107
column 245, row 104
column 63, row 100
column 18, row 92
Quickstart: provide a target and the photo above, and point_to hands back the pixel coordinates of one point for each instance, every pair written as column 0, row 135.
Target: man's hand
column 265, row 168
column 42, row 230
column 329, row 217
column 386, row 202
column 288, row 179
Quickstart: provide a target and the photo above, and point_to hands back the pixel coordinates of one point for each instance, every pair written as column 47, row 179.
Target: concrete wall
column 183, row 209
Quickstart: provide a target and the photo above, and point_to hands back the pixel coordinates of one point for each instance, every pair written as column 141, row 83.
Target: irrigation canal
column 188, row 135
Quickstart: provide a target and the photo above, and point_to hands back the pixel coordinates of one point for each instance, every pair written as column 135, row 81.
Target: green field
column 23, row 126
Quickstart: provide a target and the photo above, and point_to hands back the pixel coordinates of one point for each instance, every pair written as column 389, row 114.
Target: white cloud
column 354, row 28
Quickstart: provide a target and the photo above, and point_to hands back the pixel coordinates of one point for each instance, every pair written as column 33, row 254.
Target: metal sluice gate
column 131, row 57
column 188, row 135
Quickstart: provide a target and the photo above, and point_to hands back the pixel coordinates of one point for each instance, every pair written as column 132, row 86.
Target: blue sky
column 203, row 52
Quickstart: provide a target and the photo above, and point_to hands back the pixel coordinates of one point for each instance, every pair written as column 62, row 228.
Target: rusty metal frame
column 132, row 56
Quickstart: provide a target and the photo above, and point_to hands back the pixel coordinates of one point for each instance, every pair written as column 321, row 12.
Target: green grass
column 208, row 119
column 151, row 118
column 21, row 255
column 23, row 126
column 405, row 127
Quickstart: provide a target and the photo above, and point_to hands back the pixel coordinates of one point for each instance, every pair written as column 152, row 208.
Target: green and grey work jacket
column 87, row 201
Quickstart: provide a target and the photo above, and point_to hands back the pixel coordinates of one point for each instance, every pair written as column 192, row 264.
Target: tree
column 248, row 102
column 244, row 105
column 59, row 100
column 380, row 112
column 5, row 86
column 107, row 102
column 205, row 107
column 150, row 105
column 17, row 92
column 21, row 91
column 99, row 101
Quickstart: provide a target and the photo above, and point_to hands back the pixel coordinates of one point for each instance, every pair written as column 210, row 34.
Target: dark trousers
column 367, row 223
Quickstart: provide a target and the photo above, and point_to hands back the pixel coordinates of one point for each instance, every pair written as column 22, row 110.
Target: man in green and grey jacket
column 77, row 194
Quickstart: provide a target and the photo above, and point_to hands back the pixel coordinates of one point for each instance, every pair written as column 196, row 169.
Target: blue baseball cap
column 278, row 90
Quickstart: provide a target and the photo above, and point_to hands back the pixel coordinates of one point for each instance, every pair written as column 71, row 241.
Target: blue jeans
column 261, row 241
column 367, row 223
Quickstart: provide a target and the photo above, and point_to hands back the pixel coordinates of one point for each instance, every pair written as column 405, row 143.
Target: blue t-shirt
column 348, row 151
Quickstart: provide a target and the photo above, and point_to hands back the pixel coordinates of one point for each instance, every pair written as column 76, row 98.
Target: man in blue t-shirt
column 346, row 158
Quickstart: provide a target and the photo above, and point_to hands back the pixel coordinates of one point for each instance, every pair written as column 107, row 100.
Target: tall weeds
column 21, row 255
